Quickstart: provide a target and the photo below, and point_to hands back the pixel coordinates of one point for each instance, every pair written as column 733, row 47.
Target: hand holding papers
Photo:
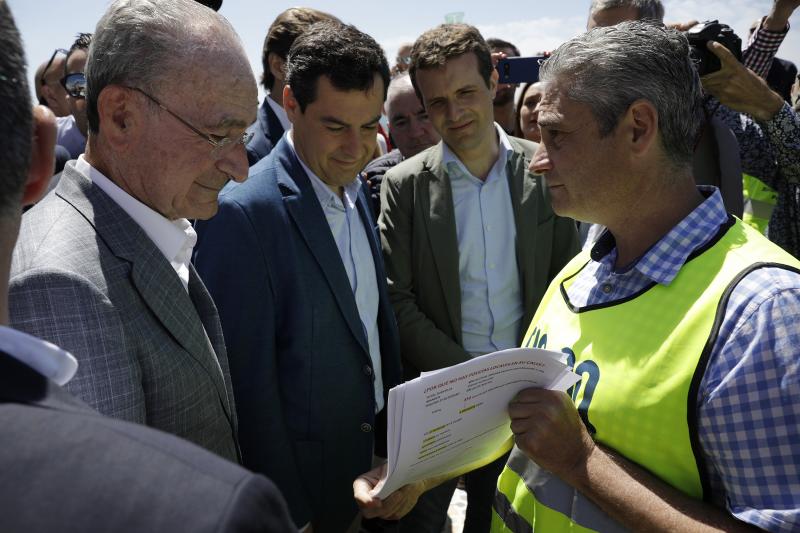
column 446, row 420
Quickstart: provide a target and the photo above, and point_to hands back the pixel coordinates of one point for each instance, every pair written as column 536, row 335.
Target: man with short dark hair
column 410, row 129
column 294, row 264
column 72, row 129
column 103, row 263
column 504, row 110
column 468, row 234
column 65, row 467
column 272, row 120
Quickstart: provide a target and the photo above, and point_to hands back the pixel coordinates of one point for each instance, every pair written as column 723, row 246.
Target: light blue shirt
column 491, row 299
column 351, row 240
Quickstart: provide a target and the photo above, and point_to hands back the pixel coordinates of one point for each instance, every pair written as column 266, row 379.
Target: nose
column 352, row 141
column 540, row 162
column 234, row 163
column 453, row 111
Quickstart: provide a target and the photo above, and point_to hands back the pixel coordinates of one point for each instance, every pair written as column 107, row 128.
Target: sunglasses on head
column 50, row 63
column 75, row 84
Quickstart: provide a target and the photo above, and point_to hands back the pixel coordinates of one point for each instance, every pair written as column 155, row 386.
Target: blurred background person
column 503, row 103
column 527, row 123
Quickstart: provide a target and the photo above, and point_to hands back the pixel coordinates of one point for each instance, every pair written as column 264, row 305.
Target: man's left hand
column 740, row 88
column 548, row 429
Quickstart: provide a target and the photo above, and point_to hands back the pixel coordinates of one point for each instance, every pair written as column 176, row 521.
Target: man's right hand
column 395, row 506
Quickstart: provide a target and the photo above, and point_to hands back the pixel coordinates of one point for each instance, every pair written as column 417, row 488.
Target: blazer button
column 366, row 428
column 367, row 370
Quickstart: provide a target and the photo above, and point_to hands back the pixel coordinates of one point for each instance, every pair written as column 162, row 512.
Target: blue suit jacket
column 267, row 131
column 298, row 353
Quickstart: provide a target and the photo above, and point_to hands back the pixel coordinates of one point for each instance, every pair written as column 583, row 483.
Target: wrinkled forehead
column 403, row 102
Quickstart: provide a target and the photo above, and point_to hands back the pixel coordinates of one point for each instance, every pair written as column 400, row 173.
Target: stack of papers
column 445, row 420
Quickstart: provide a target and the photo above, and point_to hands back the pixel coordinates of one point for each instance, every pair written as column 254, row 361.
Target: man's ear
column 276, row 66
column 642, row 126
column 493, row 79
column 117, row 119
column 290, row 104
column 43, row 159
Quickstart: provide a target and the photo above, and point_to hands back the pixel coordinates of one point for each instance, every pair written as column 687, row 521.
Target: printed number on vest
column 537, row 340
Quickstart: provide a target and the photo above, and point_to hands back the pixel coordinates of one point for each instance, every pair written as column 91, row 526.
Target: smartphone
column 519, row 69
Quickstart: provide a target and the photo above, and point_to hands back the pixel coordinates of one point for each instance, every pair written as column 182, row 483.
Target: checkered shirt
column 749, row 398
column 762, row 48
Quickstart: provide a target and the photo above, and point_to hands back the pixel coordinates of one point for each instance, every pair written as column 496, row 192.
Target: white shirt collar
column 326, row 197
column 174, row 238
column 44, row 357
column 280, row 112
column 503, row 149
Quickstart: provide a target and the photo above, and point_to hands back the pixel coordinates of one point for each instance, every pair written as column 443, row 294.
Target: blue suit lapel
column 306, row 213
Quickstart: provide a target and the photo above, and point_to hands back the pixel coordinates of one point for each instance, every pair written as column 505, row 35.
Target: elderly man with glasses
column 103, row 267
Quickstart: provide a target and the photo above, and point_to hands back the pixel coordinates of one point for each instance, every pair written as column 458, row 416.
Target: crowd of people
column 207, row 300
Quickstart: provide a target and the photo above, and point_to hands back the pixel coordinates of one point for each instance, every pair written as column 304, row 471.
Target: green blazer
column 420, row 247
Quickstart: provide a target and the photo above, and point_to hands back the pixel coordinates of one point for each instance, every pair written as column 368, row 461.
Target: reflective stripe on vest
column 759, row 202
column 641, row 360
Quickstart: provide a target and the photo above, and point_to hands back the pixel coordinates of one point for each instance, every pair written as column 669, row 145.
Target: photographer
column 765, row 127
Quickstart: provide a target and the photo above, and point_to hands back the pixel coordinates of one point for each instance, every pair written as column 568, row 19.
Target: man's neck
column 276, row 93
column 480, row 160
column 656, row 212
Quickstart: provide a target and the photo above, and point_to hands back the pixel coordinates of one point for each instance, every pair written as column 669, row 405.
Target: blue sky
column 532, row 25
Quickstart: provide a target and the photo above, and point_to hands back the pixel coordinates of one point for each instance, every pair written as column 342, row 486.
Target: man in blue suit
column 293, row 262
column 272, row 121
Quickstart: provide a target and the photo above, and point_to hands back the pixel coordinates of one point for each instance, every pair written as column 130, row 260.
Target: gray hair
column 399, row 84
column 648, row 9
column 146, row 43
column 610, row 68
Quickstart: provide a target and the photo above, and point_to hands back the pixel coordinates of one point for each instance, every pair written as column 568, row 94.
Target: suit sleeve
column 232, row 263
column 256, row 505
column 66, row 309
column 421, row 343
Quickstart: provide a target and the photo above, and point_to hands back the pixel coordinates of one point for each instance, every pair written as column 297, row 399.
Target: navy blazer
column 300, row 365
column 266, row 130
column 67, row 468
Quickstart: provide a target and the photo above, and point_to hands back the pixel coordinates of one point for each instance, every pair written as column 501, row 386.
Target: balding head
column 176, row 37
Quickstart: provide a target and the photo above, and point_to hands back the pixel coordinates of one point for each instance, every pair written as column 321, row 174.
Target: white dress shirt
column 174, row 238
column 44, row 357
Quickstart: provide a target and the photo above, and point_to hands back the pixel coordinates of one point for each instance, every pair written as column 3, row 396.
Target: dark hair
column 348, row 57
column 496, row 44
column 434, row 47
column 82, row 42
column 282, row 33
column 16, row 117
column 518, row 109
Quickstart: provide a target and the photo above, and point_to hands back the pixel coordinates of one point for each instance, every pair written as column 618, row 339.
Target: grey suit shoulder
column 86, row 277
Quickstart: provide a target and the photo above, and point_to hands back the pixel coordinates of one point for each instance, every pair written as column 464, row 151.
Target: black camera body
column 711, row 30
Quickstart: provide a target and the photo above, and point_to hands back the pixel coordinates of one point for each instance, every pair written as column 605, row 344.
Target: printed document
column 449, row 418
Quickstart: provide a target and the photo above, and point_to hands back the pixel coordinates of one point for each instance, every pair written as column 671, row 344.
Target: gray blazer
column 420, row 248
column 86, row 277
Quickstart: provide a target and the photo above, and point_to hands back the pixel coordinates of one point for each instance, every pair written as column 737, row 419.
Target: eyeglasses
column 220, row 144
column 75, row 84
column 50, row 63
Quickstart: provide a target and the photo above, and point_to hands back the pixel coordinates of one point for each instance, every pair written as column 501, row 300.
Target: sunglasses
column 75, row 84
column 50, row 63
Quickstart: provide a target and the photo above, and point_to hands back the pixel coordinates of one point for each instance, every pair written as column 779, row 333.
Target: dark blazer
column 420, row 245
column 299, row 359
column 266, row 130
column 67, row 468
column 86, row 277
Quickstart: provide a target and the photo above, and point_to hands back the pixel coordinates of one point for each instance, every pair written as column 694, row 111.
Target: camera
column 711, row 30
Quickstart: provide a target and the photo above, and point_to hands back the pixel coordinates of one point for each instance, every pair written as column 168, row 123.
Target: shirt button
column 366, row 428
column 367, row 370
column 607, row 288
